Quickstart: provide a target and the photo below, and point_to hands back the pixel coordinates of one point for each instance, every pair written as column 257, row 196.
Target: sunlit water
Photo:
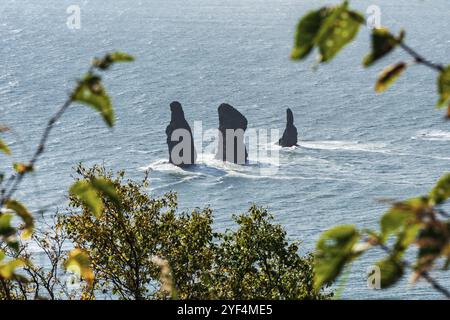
column 355, row 148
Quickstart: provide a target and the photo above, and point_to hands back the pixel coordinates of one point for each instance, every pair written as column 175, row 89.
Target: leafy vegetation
column 89, row 91
column 420, row 222
column 128, row 245
column 132, row 246
column 132, row 242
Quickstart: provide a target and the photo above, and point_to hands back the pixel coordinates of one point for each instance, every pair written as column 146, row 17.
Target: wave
column 15, row 31
column 344, row 146
column 432, row 135
column 208, row 165
column 264, row 168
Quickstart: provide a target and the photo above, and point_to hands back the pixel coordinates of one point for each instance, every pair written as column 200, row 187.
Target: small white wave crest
column 344, row 146
column 432, row 135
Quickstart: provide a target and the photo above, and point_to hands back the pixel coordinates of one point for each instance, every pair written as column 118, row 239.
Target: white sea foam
column 432, row 135
column 208, row 165
column 344, row 146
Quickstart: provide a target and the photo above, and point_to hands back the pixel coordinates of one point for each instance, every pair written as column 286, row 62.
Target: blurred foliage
column 415, row 221
column 4, row 147
column 329, row 29
column 131, row 246
column 13, row 284
column 420, row 222
column 141, row 248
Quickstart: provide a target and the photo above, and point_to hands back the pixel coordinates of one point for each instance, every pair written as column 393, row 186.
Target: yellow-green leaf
column 22, row 168
column 338, row 30
column 403, row 215
column 329, row 28
column 444, row 87
column 89, row 192
column 441, row 191
column 391, row 270
column 4, row 147
column 7, row 269
column 388, row 76
column 6, row 230
column 107, row 188
column 91, row 92
column 307, row 30
column 405, row 238
column 111, row 58
column 394, row 221
column 24, row 214
column 333, row 251
column 78, row 262
column 88, row 195
column 121, row 57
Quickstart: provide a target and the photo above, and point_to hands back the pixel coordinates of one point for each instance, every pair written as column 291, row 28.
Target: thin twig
column 420, row 59
column 17, row 179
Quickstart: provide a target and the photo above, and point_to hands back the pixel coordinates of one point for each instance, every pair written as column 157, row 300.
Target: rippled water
column 355, row 148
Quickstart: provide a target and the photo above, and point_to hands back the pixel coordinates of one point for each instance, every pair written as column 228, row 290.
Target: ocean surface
column 355, row 146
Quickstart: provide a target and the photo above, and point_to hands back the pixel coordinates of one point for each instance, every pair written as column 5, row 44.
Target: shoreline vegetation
column 124, row 244
column 128, row 245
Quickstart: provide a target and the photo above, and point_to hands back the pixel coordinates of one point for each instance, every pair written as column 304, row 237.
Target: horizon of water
column 355, row 146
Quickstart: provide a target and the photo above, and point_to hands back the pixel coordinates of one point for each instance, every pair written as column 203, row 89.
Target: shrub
column 141, row 248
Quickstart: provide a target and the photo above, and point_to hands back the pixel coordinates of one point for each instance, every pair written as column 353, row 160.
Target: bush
column 141, row 248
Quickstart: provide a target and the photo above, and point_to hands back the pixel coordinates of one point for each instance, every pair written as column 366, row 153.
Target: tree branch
column 17, row 179
column 420, row 59
column 424, row 274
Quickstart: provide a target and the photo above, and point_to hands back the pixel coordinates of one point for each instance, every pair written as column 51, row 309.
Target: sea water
column 355, row 146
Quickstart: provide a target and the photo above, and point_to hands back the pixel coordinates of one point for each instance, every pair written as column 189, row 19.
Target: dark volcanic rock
column 232, row 125
column 289, row 137
column 179, row 138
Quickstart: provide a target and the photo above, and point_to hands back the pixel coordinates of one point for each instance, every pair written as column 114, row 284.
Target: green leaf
column 383, row 42
column 78, row 262
column 388, row 76
column 441, row 192
column 333, row 252
column 4, row 147
column 107, row 188
column 394, row 221
column 7, row 269
column 307, row 30
column 444, row 87
column 405, row 238
column 88, row 191
column 6, row 230
column 121, row 57
column 91, row 92
column 330, row 29
column 391, row 270
column 24, row 214
column 88, row 195
column 338, row 30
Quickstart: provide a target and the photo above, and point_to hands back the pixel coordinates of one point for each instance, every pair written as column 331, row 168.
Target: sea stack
column 232, row 126
column 289, row 138
column 179, row 138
